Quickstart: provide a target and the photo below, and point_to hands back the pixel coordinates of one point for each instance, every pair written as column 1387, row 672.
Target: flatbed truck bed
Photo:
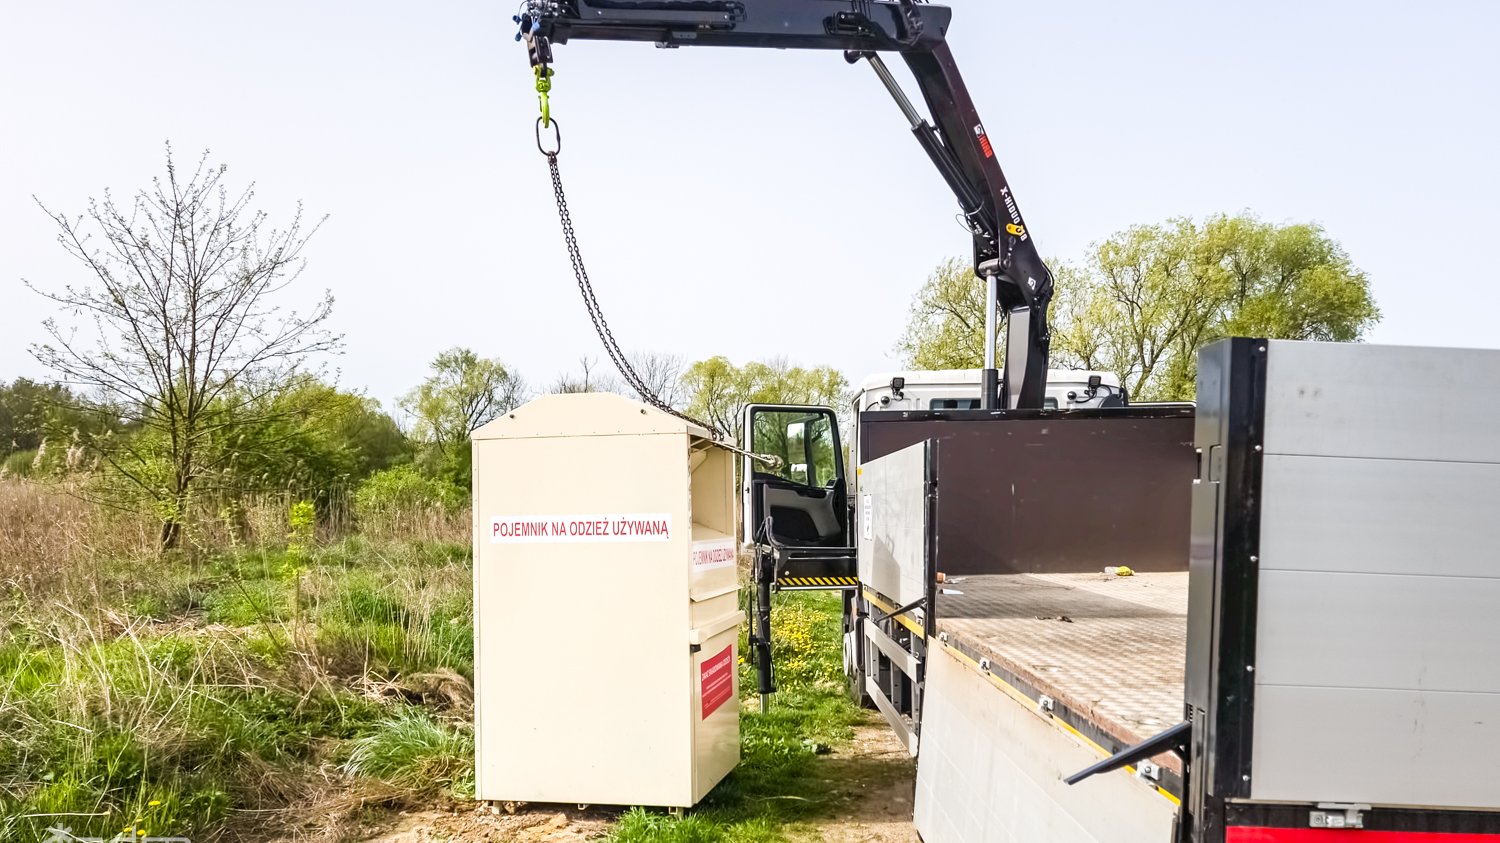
column 1318, row 676
column 1034, row 677
column 1109, row 649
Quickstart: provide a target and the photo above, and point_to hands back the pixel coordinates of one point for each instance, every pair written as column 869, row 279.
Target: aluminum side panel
column 891, row 519
column 1401, row 633
column 1379, row 516
column 1377, row 649
column 1393, row 747
column 1391, row 402
column 990, row 771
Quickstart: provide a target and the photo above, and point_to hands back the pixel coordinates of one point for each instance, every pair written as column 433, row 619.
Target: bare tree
column 183, row 335
column 592, row 380
column 662, row 374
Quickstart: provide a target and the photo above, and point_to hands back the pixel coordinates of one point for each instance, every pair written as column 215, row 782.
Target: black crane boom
column 955, row 138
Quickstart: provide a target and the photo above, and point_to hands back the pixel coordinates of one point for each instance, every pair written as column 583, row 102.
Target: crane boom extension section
column 955, row 139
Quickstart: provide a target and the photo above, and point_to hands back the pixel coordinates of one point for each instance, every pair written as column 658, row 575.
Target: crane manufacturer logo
column 1015, row 214
column 984, row 141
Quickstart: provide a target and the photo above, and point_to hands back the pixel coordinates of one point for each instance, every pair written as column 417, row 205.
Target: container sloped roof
column 584, row 414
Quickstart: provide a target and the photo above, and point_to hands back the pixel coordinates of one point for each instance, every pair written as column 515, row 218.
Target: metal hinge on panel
column 1338, row 815
column 1148, row 770
column 1045, row 704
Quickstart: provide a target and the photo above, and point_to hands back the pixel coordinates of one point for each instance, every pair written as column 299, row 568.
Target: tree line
column 185, row 381
column 1144, row 300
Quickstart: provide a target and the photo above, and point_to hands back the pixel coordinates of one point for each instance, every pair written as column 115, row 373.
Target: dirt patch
column 878, row 779
column 871, row 782
column 484, row 824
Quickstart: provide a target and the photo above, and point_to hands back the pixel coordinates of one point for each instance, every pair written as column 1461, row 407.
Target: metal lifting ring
column 556, row 134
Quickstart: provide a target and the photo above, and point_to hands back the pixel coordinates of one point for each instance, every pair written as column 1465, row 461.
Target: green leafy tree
column 463, row 392
column 26, row 413
column 1143, row 301
column 1149, row 297
column 717, row 389
column 946, row 328
column 312, row 437
column 32, row 413
column 401, row 491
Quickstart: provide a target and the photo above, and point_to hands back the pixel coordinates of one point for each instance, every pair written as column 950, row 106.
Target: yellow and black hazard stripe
column 818, row 582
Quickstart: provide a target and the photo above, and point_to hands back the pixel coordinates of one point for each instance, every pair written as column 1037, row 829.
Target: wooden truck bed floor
column 1108, row 648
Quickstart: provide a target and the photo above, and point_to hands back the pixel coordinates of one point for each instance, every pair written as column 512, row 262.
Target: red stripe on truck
column 1347, row 835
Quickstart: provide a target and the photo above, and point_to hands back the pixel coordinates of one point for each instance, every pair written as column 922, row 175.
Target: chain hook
column 543, row 75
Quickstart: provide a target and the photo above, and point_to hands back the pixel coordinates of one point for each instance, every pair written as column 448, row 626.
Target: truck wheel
column 854, row 656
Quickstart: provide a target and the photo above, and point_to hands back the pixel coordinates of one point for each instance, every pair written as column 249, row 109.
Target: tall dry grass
column 55, row 540
column 255, row 684
column 52, row 539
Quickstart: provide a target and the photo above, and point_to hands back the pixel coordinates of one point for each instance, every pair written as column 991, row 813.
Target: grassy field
column 259, row 693
column 308, row 692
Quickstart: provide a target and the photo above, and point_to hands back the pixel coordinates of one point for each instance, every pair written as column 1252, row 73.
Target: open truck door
column 795, row 518
column 800, row 499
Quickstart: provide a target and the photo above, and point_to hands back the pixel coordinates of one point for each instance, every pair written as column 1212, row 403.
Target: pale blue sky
column 699, row 175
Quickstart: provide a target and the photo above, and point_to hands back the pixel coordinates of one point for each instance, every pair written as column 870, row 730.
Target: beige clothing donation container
column 606, row 606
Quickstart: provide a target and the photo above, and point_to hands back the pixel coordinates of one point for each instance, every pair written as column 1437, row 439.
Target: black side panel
column 1053, row 492
column 1223, row 583
column 793, row 524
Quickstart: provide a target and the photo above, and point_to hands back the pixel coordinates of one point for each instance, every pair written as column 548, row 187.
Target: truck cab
column 958, row 389
column 803, row 499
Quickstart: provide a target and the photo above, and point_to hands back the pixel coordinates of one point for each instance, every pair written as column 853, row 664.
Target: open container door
column 897, row 496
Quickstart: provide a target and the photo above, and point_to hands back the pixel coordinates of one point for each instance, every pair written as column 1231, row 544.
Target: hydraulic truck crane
column 1017, row 281
column 1005, row 255
column 1046, row 577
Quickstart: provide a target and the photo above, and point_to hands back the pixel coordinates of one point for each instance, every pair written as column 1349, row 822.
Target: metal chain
column 601, row 326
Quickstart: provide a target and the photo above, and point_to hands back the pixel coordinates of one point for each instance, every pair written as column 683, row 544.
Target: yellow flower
column 153, row 803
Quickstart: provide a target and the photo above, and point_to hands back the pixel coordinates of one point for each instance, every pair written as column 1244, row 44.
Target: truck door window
column 803, row 441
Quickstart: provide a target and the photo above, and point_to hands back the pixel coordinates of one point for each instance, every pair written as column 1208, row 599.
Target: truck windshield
column 972, row 404
column 803, row 440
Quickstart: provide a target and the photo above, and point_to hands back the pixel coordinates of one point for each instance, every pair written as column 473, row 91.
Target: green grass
column 413, row 751
column 175, row 696
column 782, row 780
